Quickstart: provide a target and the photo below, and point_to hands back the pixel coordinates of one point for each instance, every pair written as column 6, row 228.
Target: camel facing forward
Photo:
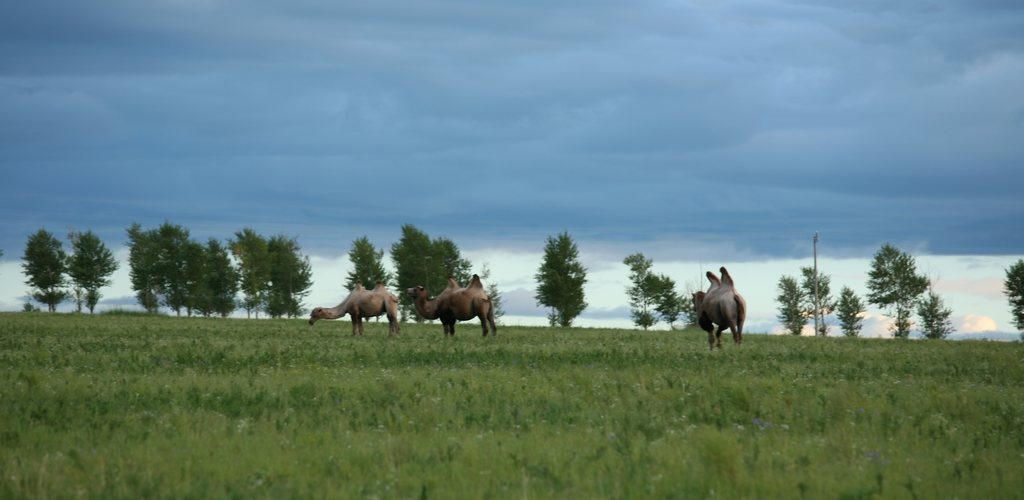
column 362, row 303
column 456, row 304
column 721, row 305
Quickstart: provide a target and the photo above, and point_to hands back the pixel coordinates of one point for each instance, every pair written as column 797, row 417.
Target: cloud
column 695, row 132
column 972, row 323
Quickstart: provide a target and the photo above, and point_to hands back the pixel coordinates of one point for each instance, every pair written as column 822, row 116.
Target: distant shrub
column 117, row 311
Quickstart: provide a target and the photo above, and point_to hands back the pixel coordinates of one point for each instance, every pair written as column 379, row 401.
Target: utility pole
column 817, row 308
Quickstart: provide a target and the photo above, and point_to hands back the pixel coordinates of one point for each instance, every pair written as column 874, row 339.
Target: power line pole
column 817, row 308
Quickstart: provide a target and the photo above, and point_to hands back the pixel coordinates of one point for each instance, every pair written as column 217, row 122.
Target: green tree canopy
column 560, row 280
column 668, row 303
column 90, row 267
column 173, row 269
column 826, row 304
column 367, row 265
column 250, row 251
column 419, row 260
column 791, row 300
column 643, row 290
column 848, row 311
column 197, row 297
column 220, row 281
column 45, row 265
column 1013, row 287
column 894, row 284
column 142, row 263
column 934, row 316
column 291, row 277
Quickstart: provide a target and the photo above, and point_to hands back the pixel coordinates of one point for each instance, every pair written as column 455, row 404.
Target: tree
column 894, row 284
column 560, row 280
column 451, row 263
column 413, row 261
column 90, row 267
column 367, row 265
column 220, row 280
column 1014, row 290
column 492, row 291
column 825, row 302
column 142, row 264
column 198, row 297
column 250, row 250
column 849, row 310
column 291, row 277
column 934, row 315
column 45, row 265
column 172, row 265
column 642, row 292
column 422, row 261
column 792, row 313
column 669, row 304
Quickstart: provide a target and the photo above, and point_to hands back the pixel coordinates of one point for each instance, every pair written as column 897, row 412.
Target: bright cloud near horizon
column 699, row 133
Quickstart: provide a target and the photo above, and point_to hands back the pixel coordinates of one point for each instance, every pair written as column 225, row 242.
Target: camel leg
column 718, row 337
column 711, row 339
column 354, row 322
column 490, row 320
column 737, row 335
column 357, row 324
column 483, row 324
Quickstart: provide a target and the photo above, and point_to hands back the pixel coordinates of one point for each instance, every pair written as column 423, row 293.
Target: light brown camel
column 456, row 304
column 721, row 305
column 362, row 303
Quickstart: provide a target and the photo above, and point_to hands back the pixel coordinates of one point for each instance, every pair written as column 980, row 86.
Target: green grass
column 118, row 406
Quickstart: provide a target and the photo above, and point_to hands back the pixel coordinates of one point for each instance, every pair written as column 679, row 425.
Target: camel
column 456, row 304
column 362, row 303
column 721, row 305
column 428, row 309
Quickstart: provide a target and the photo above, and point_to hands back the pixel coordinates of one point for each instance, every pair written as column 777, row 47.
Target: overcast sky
column 691, row 131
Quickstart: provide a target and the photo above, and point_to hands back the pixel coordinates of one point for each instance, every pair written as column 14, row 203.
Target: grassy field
column 133, row 406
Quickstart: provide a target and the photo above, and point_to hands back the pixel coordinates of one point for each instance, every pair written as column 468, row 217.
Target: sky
column 700, row 133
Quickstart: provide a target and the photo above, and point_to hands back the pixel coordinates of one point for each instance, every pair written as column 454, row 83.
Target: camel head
column 698, row 300
column 316, row 314
column 319, row 313
column 416, row 292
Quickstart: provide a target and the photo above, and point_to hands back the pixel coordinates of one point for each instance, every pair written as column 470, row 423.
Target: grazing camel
column 362, row 303
column 456, row 304
column 721, row 305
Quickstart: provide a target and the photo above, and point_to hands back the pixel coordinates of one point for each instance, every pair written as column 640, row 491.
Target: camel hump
column 359, row 286
column 713, row 278
column 452, row 283
column 726, row 277
column 380, row 286
column 475, row 282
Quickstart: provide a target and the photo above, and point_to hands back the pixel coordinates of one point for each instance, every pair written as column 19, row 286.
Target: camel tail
column 741, row 312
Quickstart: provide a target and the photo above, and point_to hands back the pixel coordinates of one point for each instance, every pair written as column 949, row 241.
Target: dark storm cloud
column 743, row 126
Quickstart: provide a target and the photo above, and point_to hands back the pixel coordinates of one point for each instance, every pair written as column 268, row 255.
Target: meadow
column 125, row 406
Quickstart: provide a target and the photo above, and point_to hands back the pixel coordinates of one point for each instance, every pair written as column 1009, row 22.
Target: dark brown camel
column 456, row 304
column 723, row 306
column 362, row 303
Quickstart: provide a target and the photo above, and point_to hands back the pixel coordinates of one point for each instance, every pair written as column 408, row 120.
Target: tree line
column 895, row 286
column 167, row 268
column 258, row 274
